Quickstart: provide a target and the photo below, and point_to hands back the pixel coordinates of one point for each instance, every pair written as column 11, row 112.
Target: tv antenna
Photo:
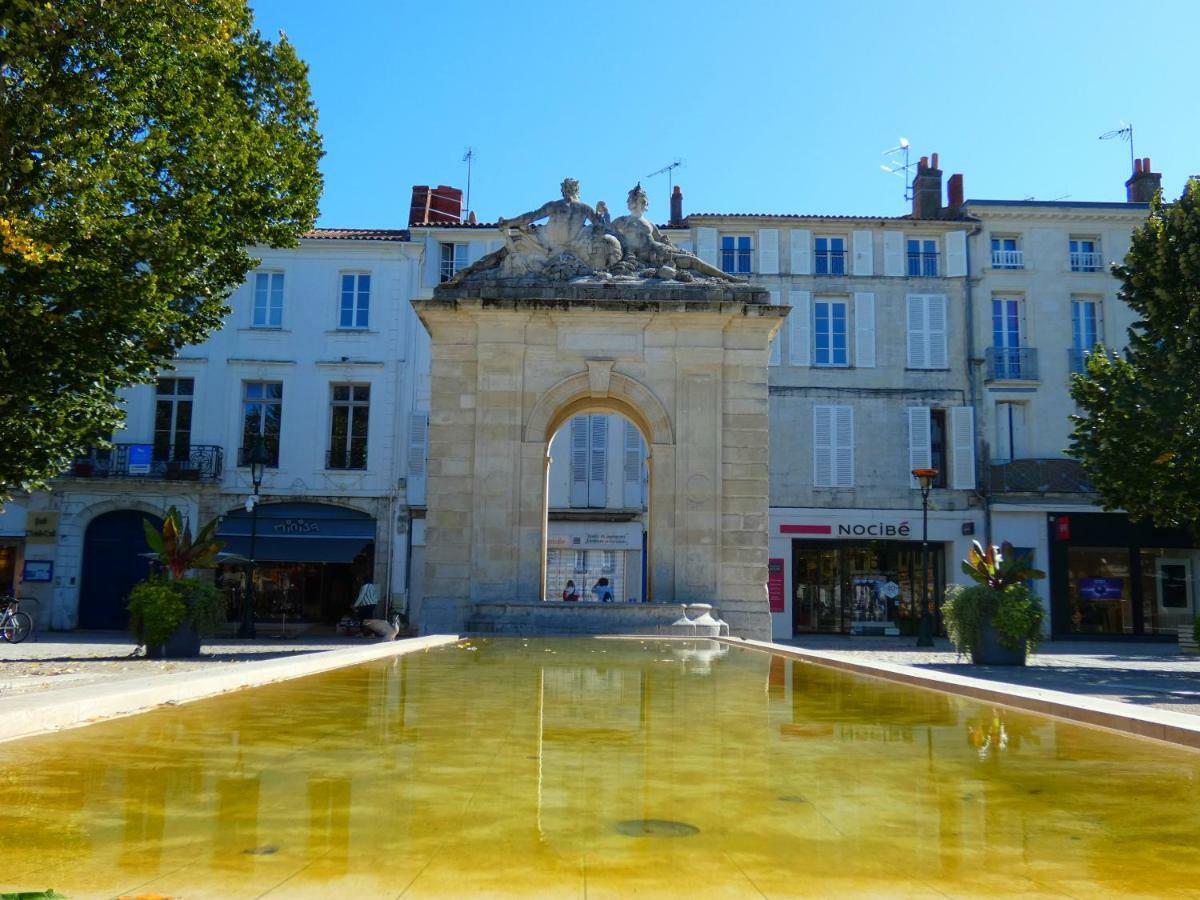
column 670, row 172
column 468, row 158
column 1125, row 133
column 900, row 169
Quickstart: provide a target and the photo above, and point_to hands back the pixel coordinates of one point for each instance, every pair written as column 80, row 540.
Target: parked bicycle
column 14, row 625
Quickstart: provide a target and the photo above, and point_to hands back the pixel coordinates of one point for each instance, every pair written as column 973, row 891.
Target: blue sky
column 773, row 107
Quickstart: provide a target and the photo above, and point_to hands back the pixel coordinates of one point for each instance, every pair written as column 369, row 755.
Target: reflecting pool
column 597, row 768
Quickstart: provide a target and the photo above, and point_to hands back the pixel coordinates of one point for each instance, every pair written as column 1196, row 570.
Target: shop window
column 1168, row 589
column 1099, row 590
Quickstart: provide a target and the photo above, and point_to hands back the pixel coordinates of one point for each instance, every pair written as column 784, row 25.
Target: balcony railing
column 270, row 444
column 830, row 262
column 1082, row 261
column 1008, row 259
column 1077, row 359
column 196, row 462
column 922, row 265
column 346, row 458
column 1011, row 364
column 1039, row 476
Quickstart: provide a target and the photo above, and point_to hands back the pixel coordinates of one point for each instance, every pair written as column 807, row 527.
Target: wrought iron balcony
column 1008, row 259
column 195, row 462
column 923, row 265
column 829, row 262
column 1011, row 364
column 1040, row 476
column 354, row 457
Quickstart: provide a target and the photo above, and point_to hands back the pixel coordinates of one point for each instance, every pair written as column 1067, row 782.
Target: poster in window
column 1101, row 588
column 775, row 584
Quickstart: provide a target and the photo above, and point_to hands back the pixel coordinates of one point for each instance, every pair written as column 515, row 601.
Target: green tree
column 144, row 145
column 1138, row 431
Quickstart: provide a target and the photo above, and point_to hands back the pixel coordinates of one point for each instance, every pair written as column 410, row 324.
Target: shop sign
column 775, row 584
column 617, row 540
column 42, row 528
column 853, row 529
column 297, row 526
column 38, row 570
column 140, row 458
column 1101, row 588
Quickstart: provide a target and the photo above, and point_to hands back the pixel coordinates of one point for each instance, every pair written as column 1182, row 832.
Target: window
column 735, row 253
column 1007, row 254
column 580, row 561
column 927, row 348
column 608, row 563
column 830, row 256
column 833, row 446
column 1006, row 354
column 1085, row 330
column 831, row 346
column 1085, row 254
column 173, row 419
column 350, row 407
column 262, row 413
column 268, row 300
column 922, row 257
column 942, row 440
column 1010, row 431
column 454, row 258
column 355, row 308
column 937, row 445
column 589, row 461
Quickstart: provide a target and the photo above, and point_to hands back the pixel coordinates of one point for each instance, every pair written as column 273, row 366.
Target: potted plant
column 170, row 612
column 998, row 619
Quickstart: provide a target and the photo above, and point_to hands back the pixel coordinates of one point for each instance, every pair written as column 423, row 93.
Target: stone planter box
column 184, row 643
column 1187, row 640
column 991, row 652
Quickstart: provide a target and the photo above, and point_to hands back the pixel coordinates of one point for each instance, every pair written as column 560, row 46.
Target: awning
column 298, row 532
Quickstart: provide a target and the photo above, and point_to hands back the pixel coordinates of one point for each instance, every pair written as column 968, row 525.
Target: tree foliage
column 1138, row 431
column 144, row 145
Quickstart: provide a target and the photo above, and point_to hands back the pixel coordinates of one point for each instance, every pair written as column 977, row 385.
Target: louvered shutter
column 864, row 254
column 433, row 262
column 937, row 355
column 843, row 453
column 418, row 443
column 798, row 334
column 774, row 358
column 801, row 250
column 962, row 436
column 598, row 464
column 918, row 357
column 706, row 243
column 920, row 451
column 579, row 461
column 822, row 446
column 768, row 251
column 893, row 253
column 956, row 254
column 864, row 330
column 632, row 468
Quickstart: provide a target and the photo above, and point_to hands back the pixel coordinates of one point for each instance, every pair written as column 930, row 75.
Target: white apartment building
column 315, row 360
column 1043, row 298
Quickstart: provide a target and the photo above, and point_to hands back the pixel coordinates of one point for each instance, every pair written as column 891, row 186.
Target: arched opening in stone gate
column 597, row 499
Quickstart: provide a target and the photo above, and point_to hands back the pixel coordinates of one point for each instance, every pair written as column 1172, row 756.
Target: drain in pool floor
column 655, row 828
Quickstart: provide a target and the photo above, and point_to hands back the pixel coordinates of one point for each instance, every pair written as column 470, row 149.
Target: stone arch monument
column 587, row 315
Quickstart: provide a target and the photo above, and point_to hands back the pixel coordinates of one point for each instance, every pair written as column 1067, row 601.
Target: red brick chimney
column 435, row 206
column 677, row 206
column 927, row 189
column 954, row 193
column 1142, row 184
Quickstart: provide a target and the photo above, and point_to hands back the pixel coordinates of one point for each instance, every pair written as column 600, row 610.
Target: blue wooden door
column 112, row 564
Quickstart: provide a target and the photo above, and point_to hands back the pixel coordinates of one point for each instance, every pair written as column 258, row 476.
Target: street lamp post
column 925, row 479
column 258, row 462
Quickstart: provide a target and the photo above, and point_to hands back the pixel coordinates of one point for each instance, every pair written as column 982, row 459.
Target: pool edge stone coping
column 1180, row 729
column 28, row 715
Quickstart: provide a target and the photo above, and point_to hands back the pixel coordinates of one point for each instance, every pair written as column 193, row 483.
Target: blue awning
column 298, row 532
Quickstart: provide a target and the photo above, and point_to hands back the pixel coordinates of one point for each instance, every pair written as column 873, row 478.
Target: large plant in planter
column 998, row 619
column 171, row 612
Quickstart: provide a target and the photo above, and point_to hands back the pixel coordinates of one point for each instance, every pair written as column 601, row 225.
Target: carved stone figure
column 578, row 243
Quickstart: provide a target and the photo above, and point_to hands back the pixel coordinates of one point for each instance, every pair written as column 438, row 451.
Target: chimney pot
column 927, row 190
column 677, row 206
column 1145, row 164
column 934, row 161
column 1142, row 184
column 923, row 164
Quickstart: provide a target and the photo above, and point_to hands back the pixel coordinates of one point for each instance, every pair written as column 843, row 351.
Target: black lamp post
column 258, row 462
column 925, row 479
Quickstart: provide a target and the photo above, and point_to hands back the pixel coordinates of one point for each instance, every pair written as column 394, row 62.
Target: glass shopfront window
column 1099, row 590
column 1168, row 589
column 861, row 587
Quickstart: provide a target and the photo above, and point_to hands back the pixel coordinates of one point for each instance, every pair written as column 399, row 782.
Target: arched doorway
column 597, row 510
column 114, row 560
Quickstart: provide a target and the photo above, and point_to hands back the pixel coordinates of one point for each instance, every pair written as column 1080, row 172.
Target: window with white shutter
column 864, row 253
column 633, row 467
column 1010, row 431
column 927, row 347
column 893, row 253
column 768, row 251
column 598, row 464
column 579, row 461
column 917, row 354
column 800, row 242
column 418, row 444
column 774, row 356
column 956, row 254
column 798, row 328
column 920, row 453
column 833, row 446
column 706, row 245
column 864, row 330
column 962, row 438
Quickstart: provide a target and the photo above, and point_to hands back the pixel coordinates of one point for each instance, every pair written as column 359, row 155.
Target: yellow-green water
column 533, row 767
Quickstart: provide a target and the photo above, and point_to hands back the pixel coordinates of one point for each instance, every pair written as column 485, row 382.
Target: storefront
column 1110, row 576
column 13, row 520
column 858, row 571
column 585, row 552
column 310, row 559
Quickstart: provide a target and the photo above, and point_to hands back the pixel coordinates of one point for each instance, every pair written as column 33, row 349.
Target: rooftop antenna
column 1125, row 133
column 670, row 170
column 899, row 169
column 468, row 158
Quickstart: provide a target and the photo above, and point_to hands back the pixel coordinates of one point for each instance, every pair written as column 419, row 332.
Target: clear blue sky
column 773, row 107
